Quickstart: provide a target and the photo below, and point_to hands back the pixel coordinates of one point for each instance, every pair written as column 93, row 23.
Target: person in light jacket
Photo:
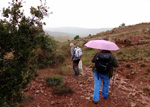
column 75, row 60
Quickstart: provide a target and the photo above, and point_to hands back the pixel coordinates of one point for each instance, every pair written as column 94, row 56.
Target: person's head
column 71, row 44
column 105, row 51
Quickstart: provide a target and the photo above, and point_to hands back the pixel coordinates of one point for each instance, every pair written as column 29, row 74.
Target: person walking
column 74, row 59
column 103, row 71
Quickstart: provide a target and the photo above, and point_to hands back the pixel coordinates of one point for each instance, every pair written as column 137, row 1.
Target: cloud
column 94, row 13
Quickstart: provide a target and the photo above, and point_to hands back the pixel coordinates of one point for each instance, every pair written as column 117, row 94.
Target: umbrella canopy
column 102, row 44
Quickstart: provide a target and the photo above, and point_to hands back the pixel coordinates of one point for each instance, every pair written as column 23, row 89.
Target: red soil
column 125, row 93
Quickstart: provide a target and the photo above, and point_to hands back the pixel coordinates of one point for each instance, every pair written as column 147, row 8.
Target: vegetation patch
column 138, row 53
column 143, row 65
column 130, row 100
column 146, row 89
column 54, row 80
column 24, row 40
column 71, row 70
column 147, row 38
column 62, row 90
column 128, row 65
column 147, row 72
column 28, row 97
column 57, row 84
column 88, row 54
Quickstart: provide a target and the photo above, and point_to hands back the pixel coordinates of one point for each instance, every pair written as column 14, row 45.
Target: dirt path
column 125, row 93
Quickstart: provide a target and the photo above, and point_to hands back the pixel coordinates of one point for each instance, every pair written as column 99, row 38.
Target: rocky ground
column 125, row 93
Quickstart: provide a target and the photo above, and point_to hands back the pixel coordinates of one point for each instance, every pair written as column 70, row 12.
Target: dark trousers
column 75, row 66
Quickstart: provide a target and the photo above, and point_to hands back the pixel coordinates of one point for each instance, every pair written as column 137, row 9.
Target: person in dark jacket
column 105, row 77
column 75, row 60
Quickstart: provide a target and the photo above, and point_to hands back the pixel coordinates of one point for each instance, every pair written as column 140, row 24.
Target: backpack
column 103, row 63
column 78, row 52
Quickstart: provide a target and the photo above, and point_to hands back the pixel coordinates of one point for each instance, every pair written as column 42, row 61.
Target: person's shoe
column 95, row 102
column 74, row 75
column 77, row 74
column 106, row 97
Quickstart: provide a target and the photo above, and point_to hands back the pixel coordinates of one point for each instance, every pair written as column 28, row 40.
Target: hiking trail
column 125, row 92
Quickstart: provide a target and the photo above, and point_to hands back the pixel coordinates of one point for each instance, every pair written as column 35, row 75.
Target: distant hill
column 60, row 36
column 68, row 33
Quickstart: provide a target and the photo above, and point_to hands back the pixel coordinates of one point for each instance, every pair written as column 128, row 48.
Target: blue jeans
column 97, row 85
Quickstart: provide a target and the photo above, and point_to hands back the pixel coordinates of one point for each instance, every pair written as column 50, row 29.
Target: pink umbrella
column 102, row 44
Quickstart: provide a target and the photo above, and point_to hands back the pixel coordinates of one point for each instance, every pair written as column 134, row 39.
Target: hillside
column 60, row 34
column 131, row 82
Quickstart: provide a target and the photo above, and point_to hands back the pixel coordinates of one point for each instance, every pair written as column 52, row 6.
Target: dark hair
column 105, row 51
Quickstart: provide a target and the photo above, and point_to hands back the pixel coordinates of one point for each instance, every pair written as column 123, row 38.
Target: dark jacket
column 114, row 64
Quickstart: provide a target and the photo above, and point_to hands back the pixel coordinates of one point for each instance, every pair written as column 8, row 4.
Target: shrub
column 128, row 65
column 127, row 42
column 57, row 84
column 89, row 34
column 130, row 100
column 122, row 25
column 143, row 65
column 62, row 90
column 147, row 72
column 22, row 37
column 54, row 80
column 76, row 37
column 45, row 55
column 147, row 38
column 59, row 58
column 65, row 50
column 146, row 89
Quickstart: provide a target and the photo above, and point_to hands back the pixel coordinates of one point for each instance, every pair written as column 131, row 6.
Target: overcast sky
column 93, row 13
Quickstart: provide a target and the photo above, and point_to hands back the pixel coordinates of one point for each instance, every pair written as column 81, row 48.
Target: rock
column 133, row 104
column 92, row 89
column 144, row 102
column 123, row 82
column 132, row 73
column 53, row 102
column 133, row 94
column 81, row 85
column 40, row 85
column 138, row 100
column 42, row 91
column 82, row 96
column 145, row 98
column 37, row 91
column 147, row 105
column 88, row 98
column 25, row 90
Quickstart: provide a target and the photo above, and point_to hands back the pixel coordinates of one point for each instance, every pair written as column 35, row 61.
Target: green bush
column 143, row 65
column 54, row 80
column 127, row 42
column 62, row 90
column 45, row 55
column 76, row 37
column 57, row 84
column 147, row 72
column 21, row 37
column 128, row 65
column 130, row 100
column 146, row 89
